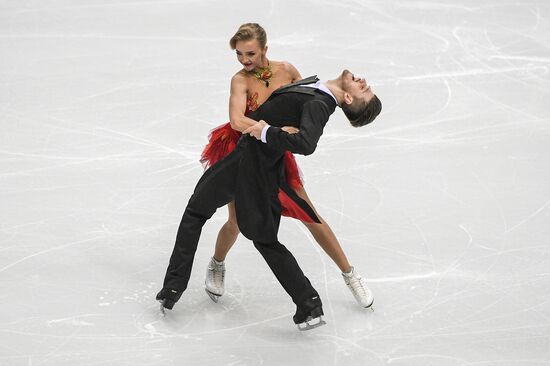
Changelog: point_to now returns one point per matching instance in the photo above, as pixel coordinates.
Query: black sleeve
(315, 115)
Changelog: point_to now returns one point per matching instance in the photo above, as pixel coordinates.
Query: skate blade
(213, 296)
(371, 306)
(165, 304)
(309, 325)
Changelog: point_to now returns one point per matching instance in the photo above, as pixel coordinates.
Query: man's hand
(291, 130)
(256, 130)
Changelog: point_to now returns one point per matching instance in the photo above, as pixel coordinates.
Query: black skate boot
(168, 298)
(309, 314)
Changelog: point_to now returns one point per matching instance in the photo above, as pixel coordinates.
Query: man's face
(356, 87)
(250, 54)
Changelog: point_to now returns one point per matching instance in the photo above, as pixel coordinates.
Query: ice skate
(309, 314)
(167, 298)
(214, 282)
(358, 287)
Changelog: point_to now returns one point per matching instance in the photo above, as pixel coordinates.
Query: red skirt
(223, 139)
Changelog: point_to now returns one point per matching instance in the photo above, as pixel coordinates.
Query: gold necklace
(264, 74)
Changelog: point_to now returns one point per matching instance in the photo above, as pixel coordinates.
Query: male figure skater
(253, 174)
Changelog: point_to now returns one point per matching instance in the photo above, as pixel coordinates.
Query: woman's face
(250, 54)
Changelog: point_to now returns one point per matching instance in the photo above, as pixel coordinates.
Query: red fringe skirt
(223, 139)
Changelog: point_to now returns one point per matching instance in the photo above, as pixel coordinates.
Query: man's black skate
(168, 298)
(309, 314)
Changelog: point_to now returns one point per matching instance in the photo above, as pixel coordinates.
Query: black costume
(252, 176)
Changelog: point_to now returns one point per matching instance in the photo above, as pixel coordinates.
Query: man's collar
(306, 81)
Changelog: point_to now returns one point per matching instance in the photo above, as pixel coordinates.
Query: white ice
(443, 203)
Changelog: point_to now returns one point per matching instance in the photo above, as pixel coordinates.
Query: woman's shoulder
(289, 69)
(239, 76)
(283, 65)
(239, 81)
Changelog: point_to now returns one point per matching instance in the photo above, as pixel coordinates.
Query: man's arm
(315, 115)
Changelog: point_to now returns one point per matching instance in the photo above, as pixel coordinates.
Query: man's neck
(336, 90)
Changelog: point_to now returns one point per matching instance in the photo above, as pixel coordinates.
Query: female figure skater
(250, 87)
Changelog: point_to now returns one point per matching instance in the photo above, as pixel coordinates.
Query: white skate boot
(359, 289)
(214, 282)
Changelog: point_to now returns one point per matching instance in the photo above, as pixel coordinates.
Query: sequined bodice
(252, 103)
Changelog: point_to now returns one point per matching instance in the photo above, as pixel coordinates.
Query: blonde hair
(248, 32)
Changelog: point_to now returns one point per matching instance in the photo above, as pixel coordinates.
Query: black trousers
(215, 189)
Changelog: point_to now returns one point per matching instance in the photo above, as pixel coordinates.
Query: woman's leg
(215, 271)
(324, 235)
(327, 240)
(228, 234)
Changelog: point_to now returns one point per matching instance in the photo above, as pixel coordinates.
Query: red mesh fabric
(223, 139)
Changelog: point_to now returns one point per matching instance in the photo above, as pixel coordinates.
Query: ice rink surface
(443, 203)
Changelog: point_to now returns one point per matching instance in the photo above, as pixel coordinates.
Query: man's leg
(286, 269)
(215, 189)
(290, 276)
(309, 308)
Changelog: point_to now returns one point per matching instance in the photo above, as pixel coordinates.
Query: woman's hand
(256, 129)
(291, 130)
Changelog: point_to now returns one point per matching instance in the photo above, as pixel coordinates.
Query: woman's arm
(237, 104)
(238, 98)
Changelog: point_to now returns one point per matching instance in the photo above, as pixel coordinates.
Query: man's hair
(360, 113)
(247, 32)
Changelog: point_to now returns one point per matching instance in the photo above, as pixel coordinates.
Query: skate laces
(217, 272)
(356, 282)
